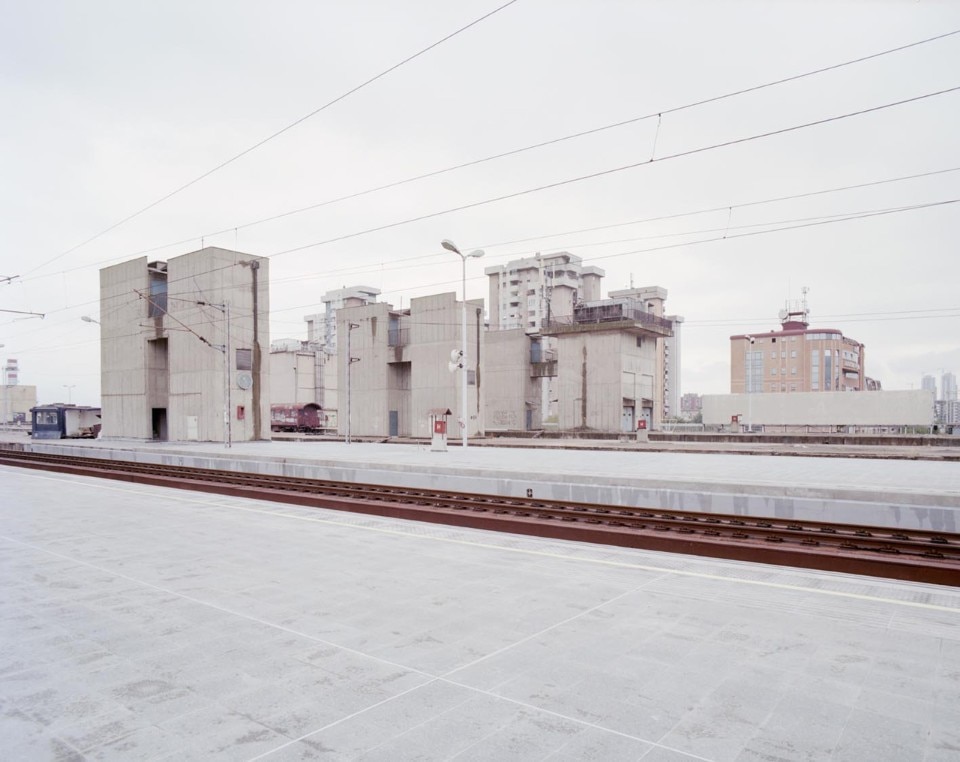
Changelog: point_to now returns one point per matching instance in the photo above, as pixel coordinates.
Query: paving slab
(145, 623)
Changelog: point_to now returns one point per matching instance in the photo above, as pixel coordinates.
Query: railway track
(915, 555)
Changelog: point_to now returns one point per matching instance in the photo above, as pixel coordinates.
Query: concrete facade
(16, 401)
(611, 362)
(525, 293)
(300, 375)
(164, 334)
(606, 382)
(400, 366)
(513, 399)
(322, 327)
(666, 375)
(899, 408)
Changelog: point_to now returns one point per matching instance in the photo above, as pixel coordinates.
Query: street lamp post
(350, 361)
(6, 393)
(748, 382)
(69, 388)
(450, 246)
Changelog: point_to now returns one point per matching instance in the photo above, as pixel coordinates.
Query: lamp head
(450, 246)
(478, 253)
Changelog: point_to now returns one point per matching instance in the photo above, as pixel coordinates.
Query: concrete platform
(910, 494)
(142, 623)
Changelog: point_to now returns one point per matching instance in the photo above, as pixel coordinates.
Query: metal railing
(611, 313)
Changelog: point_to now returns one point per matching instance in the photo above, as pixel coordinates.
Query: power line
(806, 222)
(866, 215)
(534, 146)
(614, 170)
(661, 218)
(707, 210)
(361, 270)
(716, 239)
(724, 322)
(867, 317)
(843, 217)
(276, 134)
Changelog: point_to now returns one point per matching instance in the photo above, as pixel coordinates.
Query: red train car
(296, 417)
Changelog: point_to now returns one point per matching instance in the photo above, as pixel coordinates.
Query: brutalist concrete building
(184, 347)
(400, 367)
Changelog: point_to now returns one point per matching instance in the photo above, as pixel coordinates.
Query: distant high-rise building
(929, 383)
(322, 327)
(536, 293)
(948, 387)
(525, 293)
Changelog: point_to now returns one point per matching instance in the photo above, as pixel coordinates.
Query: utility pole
(350, 361)
(254, 266)
(748, 381)
(225, 348)
(464, 420)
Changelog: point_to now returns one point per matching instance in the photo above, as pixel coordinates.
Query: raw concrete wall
(434, 333)
(883, 408)
(368, 383)
(123, 395)
(509, 390)
(196, 371)
(171, 362)
(600, 372)
(16, 400)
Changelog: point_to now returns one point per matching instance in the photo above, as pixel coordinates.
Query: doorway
(159, 423)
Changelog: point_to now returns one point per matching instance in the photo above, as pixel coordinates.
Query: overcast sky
(108, 106)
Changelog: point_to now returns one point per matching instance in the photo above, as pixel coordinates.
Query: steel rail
(916, 555)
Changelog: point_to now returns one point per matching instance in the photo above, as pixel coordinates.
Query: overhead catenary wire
(867, 317)
(724, 322)
(807, 222)
(542, 144)
(841, 217)
(708, 210)
(328, 260)
(405, 263)
(617, 169)
(606, 172)
(718, 239)
(274, 135)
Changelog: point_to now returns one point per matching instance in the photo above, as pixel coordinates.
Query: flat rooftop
(144, 623)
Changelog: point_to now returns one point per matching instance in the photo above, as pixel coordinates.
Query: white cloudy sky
(108, 106)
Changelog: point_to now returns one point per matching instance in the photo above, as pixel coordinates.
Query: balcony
(543, 369)
(607, 316)
(398, 337)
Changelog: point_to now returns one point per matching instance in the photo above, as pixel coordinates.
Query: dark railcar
(301, 417)
(64, 422)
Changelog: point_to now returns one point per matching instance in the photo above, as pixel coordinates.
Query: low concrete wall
(865, 440)
(911, 510)
(900, 408)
